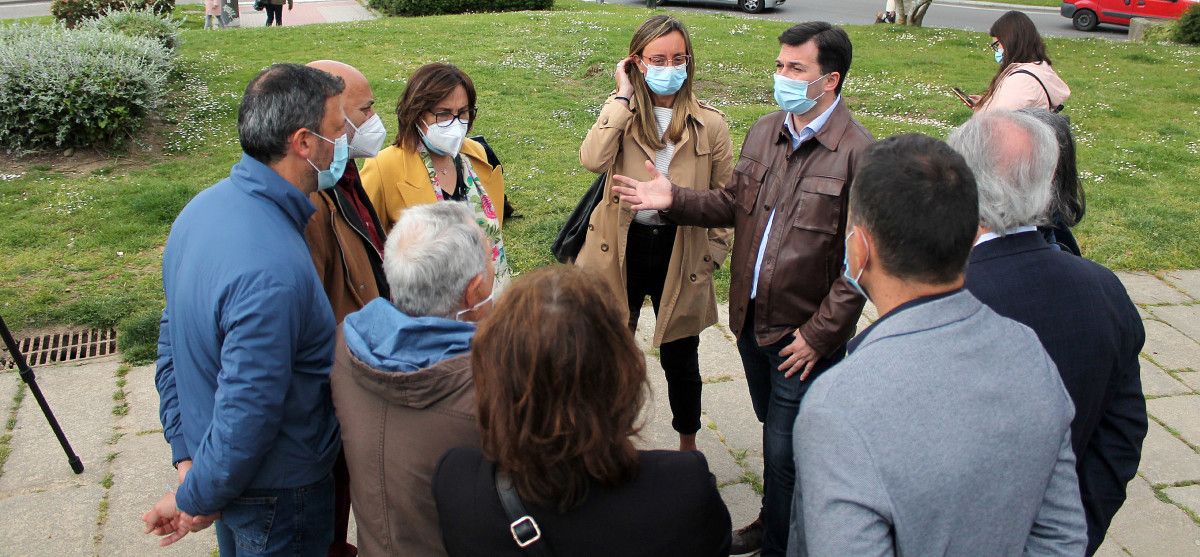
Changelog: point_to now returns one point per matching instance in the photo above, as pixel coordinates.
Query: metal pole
(29, 379)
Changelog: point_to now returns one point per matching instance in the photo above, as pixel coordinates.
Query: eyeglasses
(680, 60)
(995, 45)
(445, 118)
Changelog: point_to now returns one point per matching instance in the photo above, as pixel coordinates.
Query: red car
(1087, 14)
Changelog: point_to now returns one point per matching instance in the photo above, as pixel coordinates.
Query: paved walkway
(109, 412)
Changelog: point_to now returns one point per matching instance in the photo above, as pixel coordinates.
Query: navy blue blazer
(1092, 331)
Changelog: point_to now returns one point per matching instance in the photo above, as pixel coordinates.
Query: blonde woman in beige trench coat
(654, 119)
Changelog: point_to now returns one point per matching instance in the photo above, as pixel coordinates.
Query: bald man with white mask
(346, 242)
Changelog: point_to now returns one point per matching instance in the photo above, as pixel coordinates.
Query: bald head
(1013, 157)
(358, 98)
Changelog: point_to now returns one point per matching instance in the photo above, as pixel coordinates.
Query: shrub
(72, 12)
(76, 87)
(1188, 30)
(139, 23)
(435, 7)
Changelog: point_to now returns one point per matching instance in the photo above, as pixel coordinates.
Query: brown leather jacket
(349, 267)
(801, 285)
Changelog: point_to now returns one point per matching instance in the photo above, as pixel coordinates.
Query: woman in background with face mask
(653, 122)
(1025, 78)
(432, 160)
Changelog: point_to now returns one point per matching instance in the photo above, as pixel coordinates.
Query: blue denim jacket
(245, 343)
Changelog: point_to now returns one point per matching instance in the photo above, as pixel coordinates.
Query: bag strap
(1049, 101)
(524, 529)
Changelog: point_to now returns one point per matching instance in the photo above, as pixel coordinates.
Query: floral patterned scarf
(485, 213)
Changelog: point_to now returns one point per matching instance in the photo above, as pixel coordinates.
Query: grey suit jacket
(946, 431)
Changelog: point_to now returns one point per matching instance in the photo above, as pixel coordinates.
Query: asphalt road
(955, 14)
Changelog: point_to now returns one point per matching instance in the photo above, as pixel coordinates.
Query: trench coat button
(591, 227)
(605, 122)
(693, 278)
(707, 258)
(616, 199)
(603, 247)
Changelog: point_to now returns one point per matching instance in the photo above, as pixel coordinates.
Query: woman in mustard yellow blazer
(432, 160)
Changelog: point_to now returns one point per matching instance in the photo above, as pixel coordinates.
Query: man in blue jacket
(1079, 310)
(246, 339)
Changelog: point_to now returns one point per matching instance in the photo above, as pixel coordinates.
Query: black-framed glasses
(445, 118)
(679, 60)
(995, 45)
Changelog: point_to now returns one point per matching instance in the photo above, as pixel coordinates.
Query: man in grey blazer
(946, 430)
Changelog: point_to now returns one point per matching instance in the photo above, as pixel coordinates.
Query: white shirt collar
(989, 236)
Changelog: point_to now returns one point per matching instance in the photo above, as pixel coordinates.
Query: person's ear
(832, 82)
(474, 292)
(302, 143)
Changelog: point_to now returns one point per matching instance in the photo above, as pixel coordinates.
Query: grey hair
(280, 100)
(432, 253)
(1013, 156)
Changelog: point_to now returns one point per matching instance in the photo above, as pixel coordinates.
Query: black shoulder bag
(570, 239)
(524, 529)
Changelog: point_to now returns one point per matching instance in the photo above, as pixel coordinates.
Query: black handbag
(523, 527)
(570, 239)
(259, 5)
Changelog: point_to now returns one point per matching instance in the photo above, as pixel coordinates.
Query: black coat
(1092, 331)
(671, 508)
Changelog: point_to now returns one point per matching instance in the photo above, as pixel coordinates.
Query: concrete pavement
(110, 414)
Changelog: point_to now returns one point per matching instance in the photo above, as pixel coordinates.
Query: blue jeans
(776, 403)
(297, 521)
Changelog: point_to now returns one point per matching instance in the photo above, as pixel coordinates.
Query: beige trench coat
(703, 160)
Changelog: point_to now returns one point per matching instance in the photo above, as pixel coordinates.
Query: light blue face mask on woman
(665, 80)
(341, 154)
(792, 94)
(1000, 55)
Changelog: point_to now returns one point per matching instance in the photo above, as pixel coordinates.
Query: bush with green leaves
(139, 23)
(436, 7)
(73, 12)
(76, 87)
(1188, 29)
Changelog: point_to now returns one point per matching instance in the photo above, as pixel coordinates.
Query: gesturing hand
(799, 356)
(641, 196)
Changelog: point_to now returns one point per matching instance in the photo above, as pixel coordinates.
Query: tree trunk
(918, 17)
(902, 12)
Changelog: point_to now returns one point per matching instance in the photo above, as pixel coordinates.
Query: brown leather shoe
(747, 539)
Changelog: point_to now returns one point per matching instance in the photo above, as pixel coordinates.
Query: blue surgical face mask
(792, 94)
(853, 280)
(1000, 55)
(665, 80)
(341, 154)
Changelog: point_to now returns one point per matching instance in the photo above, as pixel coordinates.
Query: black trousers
(647, 259)
(274, 13)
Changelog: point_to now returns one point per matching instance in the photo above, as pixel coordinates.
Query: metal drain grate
(55, 347)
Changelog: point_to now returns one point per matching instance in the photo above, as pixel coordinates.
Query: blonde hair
(647, 126)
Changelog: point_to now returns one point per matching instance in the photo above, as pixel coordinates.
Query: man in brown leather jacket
(789, 305)
(346, 243)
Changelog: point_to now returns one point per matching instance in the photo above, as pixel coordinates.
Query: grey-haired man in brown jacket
(789, 305)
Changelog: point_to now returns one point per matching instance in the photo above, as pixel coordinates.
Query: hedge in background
(76, 87)
(139, 23)
(436, 7)
(72, 12)
(1188, 30)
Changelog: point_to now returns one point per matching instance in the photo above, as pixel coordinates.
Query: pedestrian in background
(1026, 78)
(212, 15)
(275, 11)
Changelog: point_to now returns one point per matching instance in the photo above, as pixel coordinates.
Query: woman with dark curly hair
(560, 383)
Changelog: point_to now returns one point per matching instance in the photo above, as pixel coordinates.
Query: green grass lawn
(85, 247)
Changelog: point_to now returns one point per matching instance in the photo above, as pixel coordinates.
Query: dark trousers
(341, 509)
(776, 403)
(274, 13)
(647, 260)
(296, 521)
